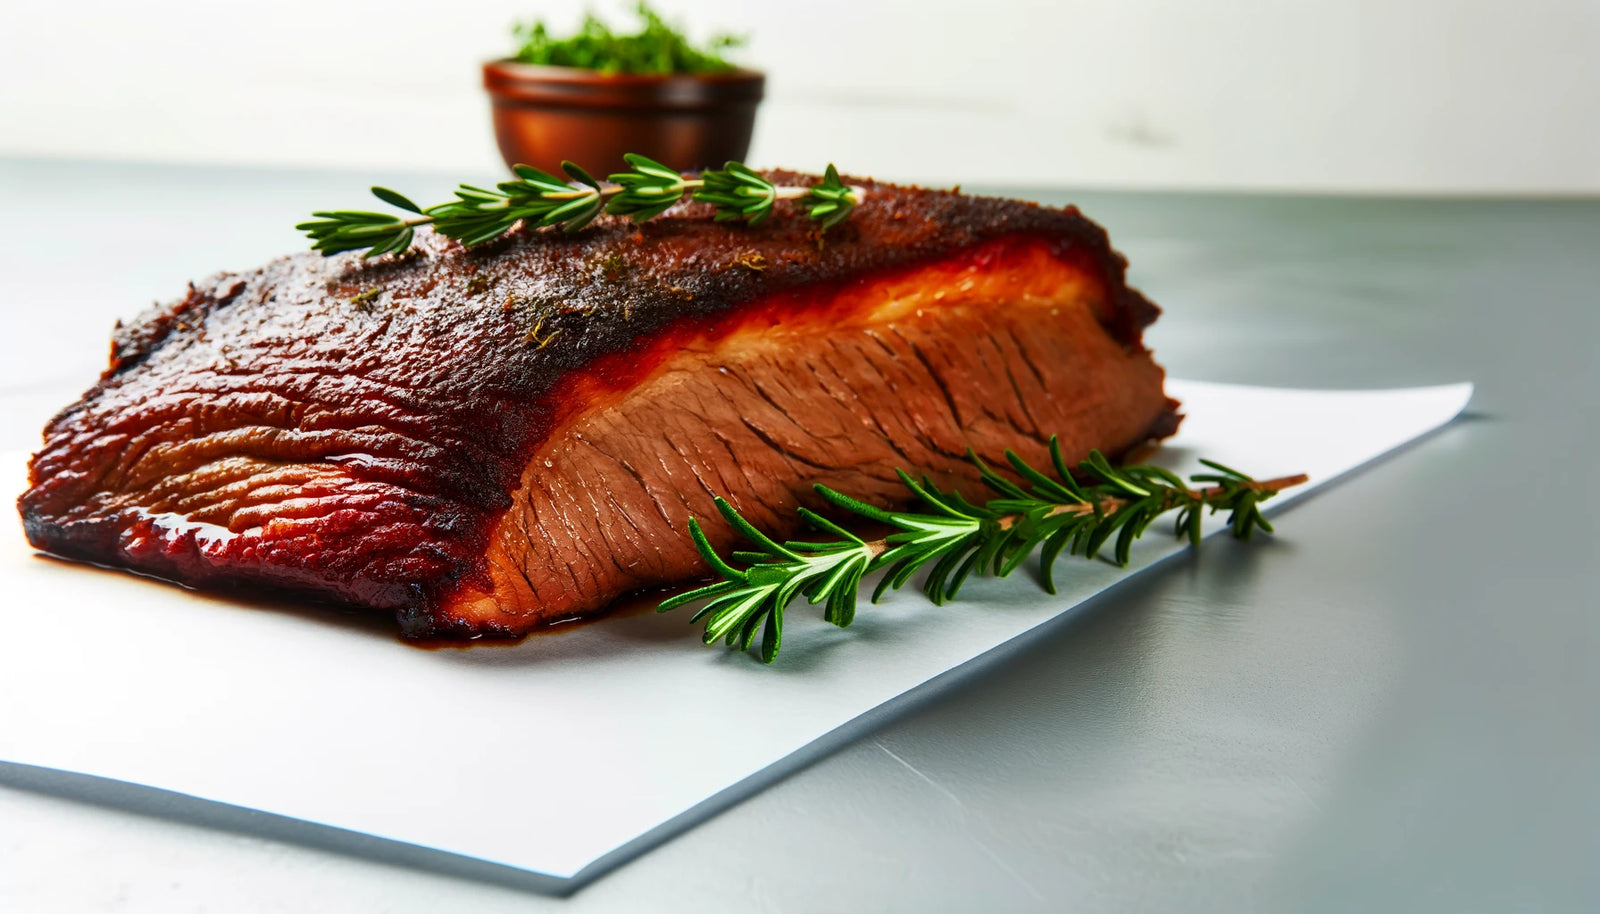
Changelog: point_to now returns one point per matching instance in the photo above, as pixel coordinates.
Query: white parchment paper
(547, 755)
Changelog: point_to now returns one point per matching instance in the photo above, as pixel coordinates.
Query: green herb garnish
(1113, 506)
(479, 215)
(657, 49)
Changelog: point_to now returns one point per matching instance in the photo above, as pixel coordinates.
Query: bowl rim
(512, 70)
(519, 85)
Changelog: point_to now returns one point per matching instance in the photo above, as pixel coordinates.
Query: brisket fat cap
(488, 440)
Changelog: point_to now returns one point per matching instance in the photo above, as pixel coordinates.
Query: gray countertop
(1391, 706)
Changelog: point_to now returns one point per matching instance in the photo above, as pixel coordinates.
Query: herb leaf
(646, 191)
(738, 193)
(830, 202)
(395, 199)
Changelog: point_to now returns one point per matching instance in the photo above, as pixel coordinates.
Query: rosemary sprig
(648, 189)
(1113, 505)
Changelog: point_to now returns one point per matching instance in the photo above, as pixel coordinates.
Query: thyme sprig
(538, 198)
(1110, 506)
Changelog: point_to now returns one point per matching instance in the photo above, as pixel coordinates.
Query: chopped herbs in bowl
(657, 49)
(596, 94)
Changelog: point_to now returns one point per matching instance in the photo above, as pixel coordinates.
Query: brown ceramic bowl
(543, 115)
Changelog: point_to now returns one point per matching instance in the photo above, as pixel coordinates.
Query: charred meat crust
(400, 400)
(682, 265)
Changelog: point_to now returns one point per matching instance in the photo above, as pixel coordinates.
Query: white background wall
(1351, 95)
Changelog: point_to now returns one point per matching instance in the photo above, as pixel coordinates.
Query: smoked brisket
(485, 441)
